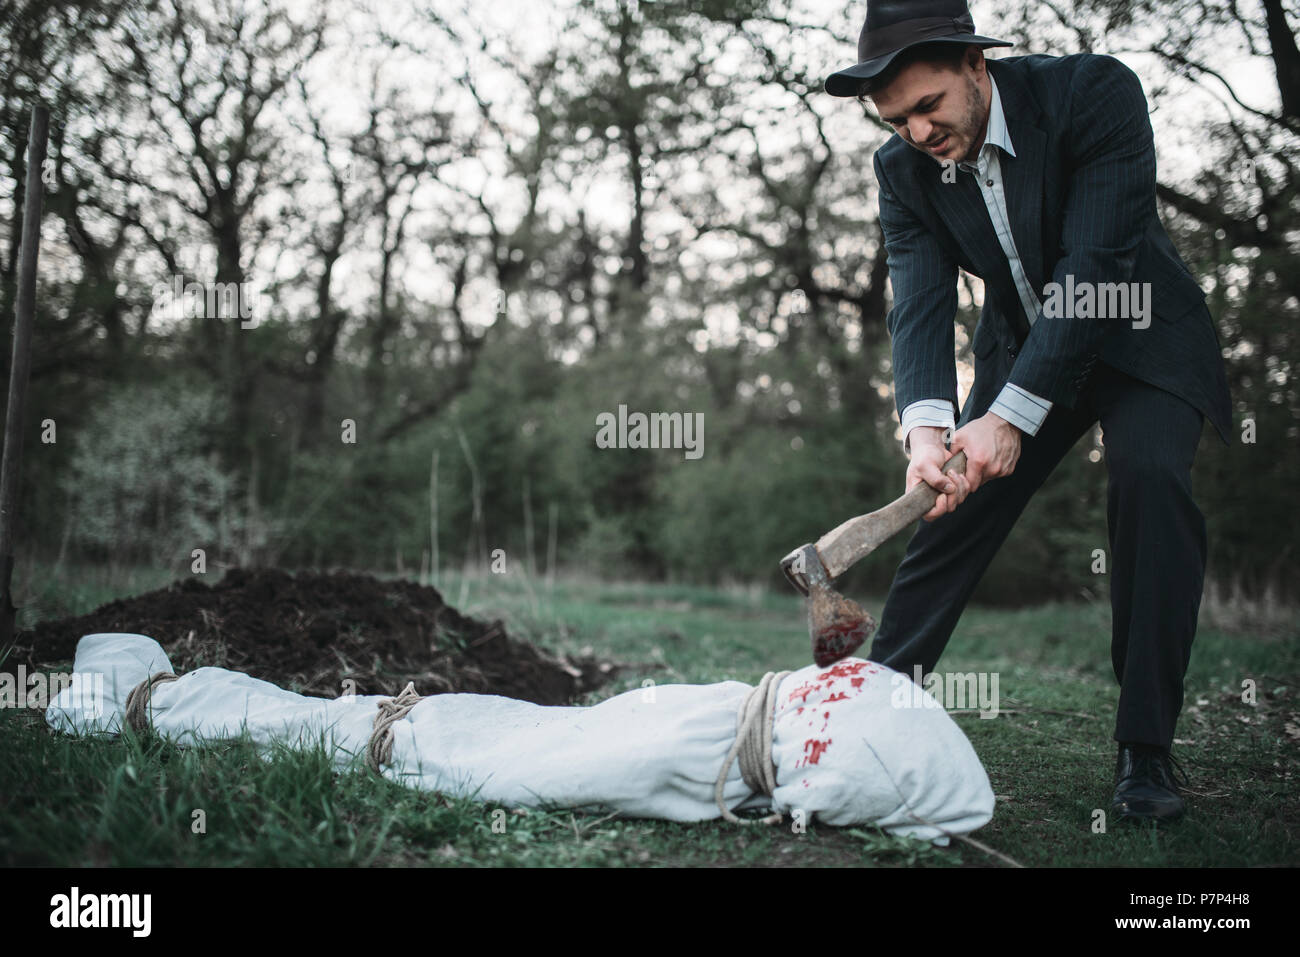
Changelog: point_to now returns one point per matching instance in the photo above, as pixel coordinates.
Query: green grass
(1050, 756)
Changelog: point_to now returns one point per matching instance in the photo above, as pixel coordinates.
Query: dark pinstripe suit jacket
(1080, 194)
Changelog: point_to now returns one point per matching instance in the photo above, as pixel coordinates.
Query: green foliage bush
(145, 481)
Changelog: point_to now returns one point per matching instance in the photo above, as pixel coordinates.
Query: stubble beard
(975, 122)
(971, 127)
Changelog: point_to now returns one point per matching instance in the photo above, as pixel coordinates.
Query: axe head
(837, 625)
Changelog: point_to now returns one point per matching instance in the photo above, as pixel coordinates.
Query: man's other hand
(928, 456)
(992, 447)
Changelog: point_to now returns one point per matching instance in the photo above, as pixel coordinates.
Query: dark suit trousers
(1156, 559)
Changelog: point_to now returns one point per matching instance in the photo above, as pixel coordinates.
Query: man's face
(938, 110)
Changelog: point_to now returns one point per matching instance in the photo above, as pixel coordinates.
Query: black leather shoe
(1145, 786)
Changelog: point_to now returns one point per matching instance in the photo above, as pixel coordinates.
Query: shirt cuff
(933, 412)
(1022, 409)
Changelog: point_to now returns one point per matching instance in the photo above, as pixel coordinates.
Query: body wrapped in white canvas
(845, 751)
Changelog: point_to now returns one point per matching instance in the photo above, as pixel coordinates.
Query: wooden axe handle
(843, 547)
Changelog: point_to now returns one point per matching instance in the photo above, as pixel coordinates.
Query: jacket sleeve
(924, 281)
(1109, 203)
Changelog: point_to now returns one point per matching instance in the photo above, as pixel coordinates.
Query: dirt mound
(311, 632)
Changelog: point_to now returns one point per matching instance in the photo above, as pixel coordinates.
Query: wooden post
(24, 311)
(433, 520)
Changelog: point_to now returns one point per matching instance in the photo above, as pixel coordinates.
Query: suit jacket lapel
(1022, 175)
(961, 207)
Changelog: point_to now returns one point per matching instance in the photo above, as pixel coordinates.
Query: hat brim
(847, 81)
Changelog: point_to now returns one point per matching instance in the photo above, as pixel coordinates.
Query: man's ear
(974, 59)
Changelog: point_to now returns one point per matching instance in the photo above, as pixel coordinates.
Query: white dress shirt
(1021, 408)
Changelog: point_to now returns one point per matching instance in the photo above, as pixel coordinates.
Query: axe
(838, 625)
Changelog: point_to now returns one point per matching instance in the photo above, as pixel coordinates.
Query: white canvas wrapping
(845, 751)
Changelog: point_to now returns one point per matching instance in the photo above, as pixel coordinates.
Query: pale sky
(339, 81)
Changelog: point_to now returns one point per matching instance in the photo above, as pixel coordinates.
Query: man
(1037, 174)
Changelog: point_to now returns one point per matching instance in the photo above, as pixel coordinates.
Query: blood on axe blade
(838, 625)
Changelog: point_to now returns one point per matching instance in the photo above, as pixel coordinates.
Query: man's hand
(928, 456)
(992, 447)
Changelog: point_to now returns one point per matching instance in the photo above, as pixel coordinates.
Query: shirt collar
(997, 133)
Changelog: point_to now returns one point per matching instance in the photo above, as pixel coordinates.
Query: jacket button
(1012, 351)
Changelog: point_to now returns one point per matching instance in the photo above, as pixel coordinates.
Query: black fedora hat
(894, 25)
